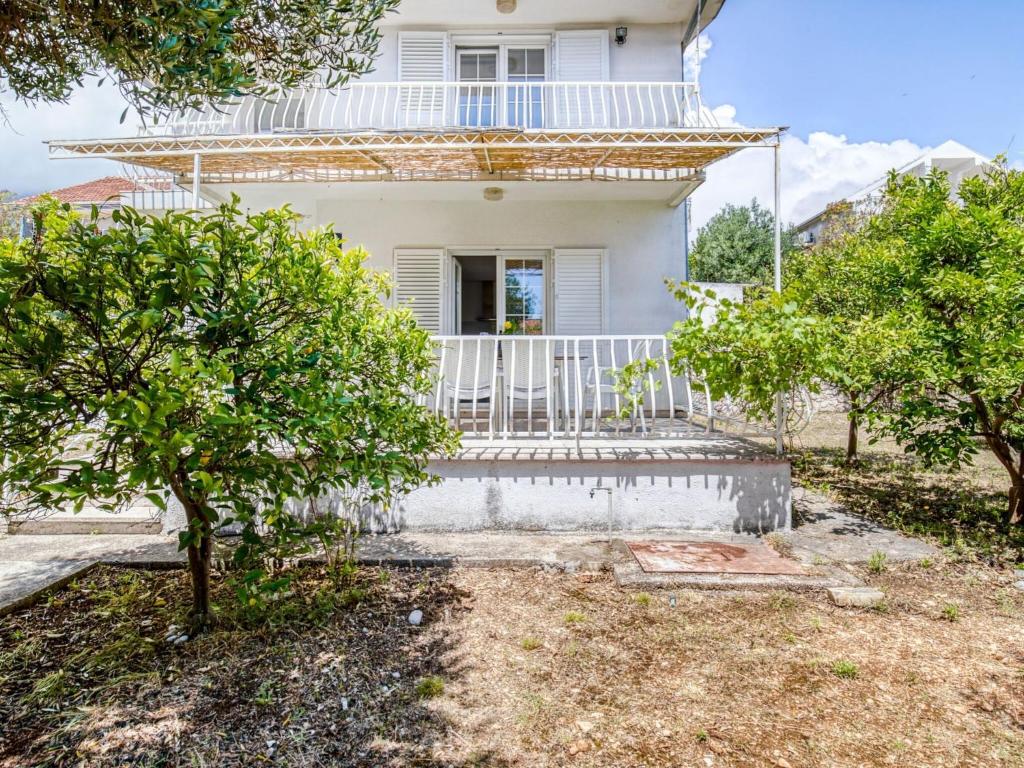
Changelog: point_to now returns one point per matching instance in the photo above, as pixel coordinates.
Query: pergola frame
(654, 155)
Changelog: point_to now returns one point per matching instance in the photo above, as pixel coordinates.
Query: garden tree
(832, 280)
(737, 245)
(227, 358)
(753, 350)
(172, 54)
(957, 287)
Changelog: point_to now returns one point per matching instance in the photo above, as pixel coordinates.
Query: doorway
(502, 292)
(476, 310)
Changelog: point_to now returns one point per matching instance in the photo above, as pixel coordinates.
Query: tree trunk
(200, 555)
(852, 428)
(199, 558)
(1015, 509)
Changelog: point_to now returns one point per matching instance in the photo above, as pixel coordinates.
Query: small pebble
(416, 617)
(1019, 585)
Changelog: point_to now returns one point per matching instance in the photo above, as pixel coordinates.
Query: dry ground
(526, 668)
(537, 669)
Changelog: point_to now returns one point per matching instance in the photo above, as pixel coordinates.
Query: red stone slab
(711, 557)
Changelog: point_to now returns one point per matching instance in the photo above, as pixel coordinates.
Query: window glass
(524, 297)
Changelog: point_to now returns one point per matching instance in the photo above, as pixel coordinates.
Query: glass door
(523, 295)
(525, 103)
(478, 69)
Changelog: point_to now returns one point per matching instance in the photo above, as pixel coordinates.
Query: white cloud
(815, 172)
(91, 112)
(695, 53)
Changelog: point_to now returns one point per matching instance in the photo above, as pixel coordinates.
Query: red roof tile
(107, 189)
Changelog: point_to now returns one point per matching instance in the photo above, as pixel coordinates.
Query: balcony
(460, 106)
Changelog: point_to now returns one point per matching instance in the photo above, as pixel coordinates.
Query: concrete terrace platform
(826, 540)
(702, 482)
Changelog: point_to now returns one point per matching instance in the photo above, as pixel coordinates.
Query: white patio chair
(530, 376)
(469, 380)
(601, 377)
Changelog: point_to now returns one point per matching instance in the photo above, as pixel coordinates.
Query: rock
(181, 639)
(584, 726)
(581, 745)
(416, 617)
(1019, 585)
(855, 597)
(782, 762)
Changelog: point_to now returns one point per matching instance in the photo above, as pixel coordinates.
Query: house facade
(519, 168)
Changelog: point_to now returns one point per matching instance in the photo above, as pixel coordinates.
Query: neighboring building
(520, 172)
(149, 193)
(958, 161)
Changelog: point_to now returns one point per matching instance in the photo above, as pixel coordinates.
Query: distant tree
(10, 215)
(173, 54)
(226, 358)
(738, 246)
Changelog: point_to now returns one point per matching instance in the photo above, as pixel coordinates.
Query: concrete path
(827, 538)
(827, 530)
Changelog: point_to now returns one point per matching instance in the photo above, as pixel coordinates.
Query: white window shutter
(581, 292)
(582, 55)
(419, 285)
(422, 55)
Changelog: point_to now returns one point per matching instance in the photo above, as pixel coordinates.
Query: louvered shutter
(581, 56)
(581, 299)
(423, 57)
(419, 285)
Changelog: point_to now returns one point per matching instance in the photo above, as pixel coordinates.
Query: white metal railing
(563, 387)
(436, 105)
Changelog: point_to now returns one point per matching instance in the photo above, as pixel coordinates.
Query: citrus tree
(956, 275)
(224, 360)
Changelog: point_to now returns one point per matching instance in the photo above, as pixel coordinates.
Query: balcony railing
(446, 106)
(567, 387)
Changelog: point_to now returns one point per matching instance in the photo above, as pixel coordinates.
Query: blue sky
(924, 70)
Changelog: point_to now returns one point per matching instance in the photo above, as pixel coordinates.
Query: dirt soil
(518, 668)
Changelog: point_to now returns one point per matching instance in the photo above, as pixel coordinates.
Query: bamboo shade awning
(441, 155)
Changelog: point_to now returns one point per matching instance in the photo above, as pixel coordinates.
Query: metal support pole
(196, 167)
(780, 413)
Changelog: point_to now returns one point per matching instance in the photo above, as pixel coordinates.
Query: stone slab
(24, 581)
(855, 597)
(711, 557)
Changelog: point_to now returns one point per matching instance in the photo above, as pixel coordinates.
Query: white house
(519, 168)
(951, 157)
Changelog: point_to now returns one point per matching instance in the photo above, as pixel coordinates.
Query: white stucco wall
(643, 240)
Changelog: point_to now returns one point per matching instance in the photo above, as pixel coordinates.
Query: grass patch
(572, 618)
(429, 687)
(845, 670)
(530, 643)
(642, 599)
(951, 612)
